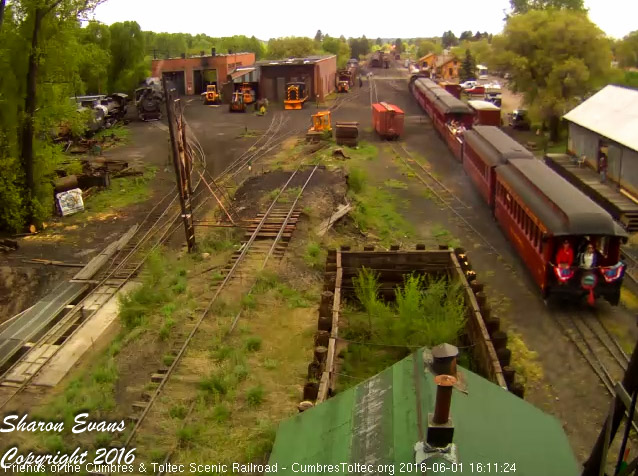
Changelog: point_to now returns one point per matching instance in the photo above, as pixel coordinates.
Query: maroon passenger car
(538, 210)
(486, 147)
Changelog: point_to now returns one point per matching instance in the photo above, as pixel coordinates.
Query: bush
(255, 396)
(178, 411)
(253, 343)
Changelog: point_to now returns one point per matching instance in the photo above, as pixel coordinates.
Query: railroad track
(599, 348)
(155, 228)
(631, 272)
(444, 196)
(266, 237)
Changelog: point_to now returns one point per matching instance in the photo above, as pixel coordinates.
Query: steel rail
(235, 320)
(184, 346)
(448, 205)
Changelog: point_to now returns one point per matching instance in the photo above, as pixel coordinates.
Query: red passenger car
(539, 210)
(387, 120)
(448, 113)
(486, 147)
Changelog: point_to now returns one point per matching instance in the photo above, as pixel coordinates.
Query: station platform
(620, 206)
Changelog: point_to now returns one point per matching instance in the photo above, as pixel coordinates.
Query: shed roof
(295, 61)
(483, 105)
(380, 420)
(570, 211)
(612, 112)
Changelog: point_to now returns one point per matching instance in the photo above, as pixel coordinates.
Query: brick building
(192, 75)
(318, 72)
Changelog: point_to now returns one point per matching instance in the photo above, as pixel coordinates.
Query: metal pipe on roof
(444, 387)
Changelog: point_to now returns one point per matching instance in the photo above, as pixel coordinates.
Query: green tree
(318, 36)
(398, 45)
(36, 15)
(627, 50)
(555, 58)
(292, 46)
(337, 47)
(468, 66)
(427, 46)
(449, 39)
(379, 42)
(95, 39)
(523, 6)
(127, 56)
(466, 36)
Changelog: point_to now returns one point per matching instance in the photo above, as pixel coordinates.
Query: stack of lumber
(347, 133)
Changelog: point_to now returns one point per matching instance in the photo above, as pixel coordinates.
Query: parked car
(470, 84)
(519, 119)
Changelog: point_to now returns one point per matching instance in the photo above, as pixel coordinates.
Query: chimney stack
(213, 52)
(444, 359)
(440, 426)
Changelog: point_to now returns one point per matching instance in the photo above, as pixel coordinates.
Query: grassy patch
(255, 396)
(392, 183)
(524, 361)
(124, 191)
(120, 133)
(376, 213)
(315, 256)
(249, 133)
(444, 237)
(220, 240)
(357, 179)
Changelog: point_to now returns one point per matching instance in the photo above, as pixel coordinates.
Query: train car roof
(446, 103)
(494, 145)
(573, 213)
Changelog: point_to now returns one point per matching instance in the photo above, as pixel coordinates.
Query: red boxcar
(387, 120)
(486, 147)
(538, 210)
(486, 113)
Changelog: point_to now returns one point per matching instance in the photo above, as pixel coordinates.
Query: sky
(401, 18)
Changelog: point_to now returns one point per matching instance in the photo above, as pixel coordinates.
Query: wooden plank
(336, 303)
(323, 388)
(98, 261)
(481, 338)
(342, 211)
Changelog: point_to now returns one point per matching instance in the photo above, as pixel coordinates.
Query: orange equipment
(296, 95)
(237, 102)
(248, 93)
(211, 96)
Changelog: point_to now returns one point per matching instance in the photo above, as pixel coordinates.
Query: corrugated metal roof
(612, 112)
(295, 61)
(380, 420)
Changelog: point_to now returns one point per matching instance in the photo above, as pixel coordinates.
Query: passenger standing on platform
(565, 256)
(602, 166)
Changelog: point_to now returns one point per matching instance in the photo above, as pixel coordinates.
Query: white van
(481, 71)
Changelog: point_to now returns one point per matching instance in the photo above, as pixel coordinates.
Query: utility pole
(181, 162)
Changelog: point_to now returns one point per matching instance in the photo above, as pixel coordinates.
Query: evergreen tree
(318, 36)
(467, 67)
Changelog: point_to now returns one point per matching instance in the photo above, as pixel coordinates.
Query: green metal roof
(377, 422)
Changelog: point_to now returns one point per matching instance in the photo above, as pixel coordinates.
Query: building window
(450, 71)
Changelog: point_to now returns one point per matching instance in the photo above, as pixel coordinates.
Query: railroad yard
(209, 350)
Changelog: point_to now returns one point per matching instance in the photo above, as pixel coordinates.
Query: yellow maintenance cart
(321, 127)
(296, 95)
